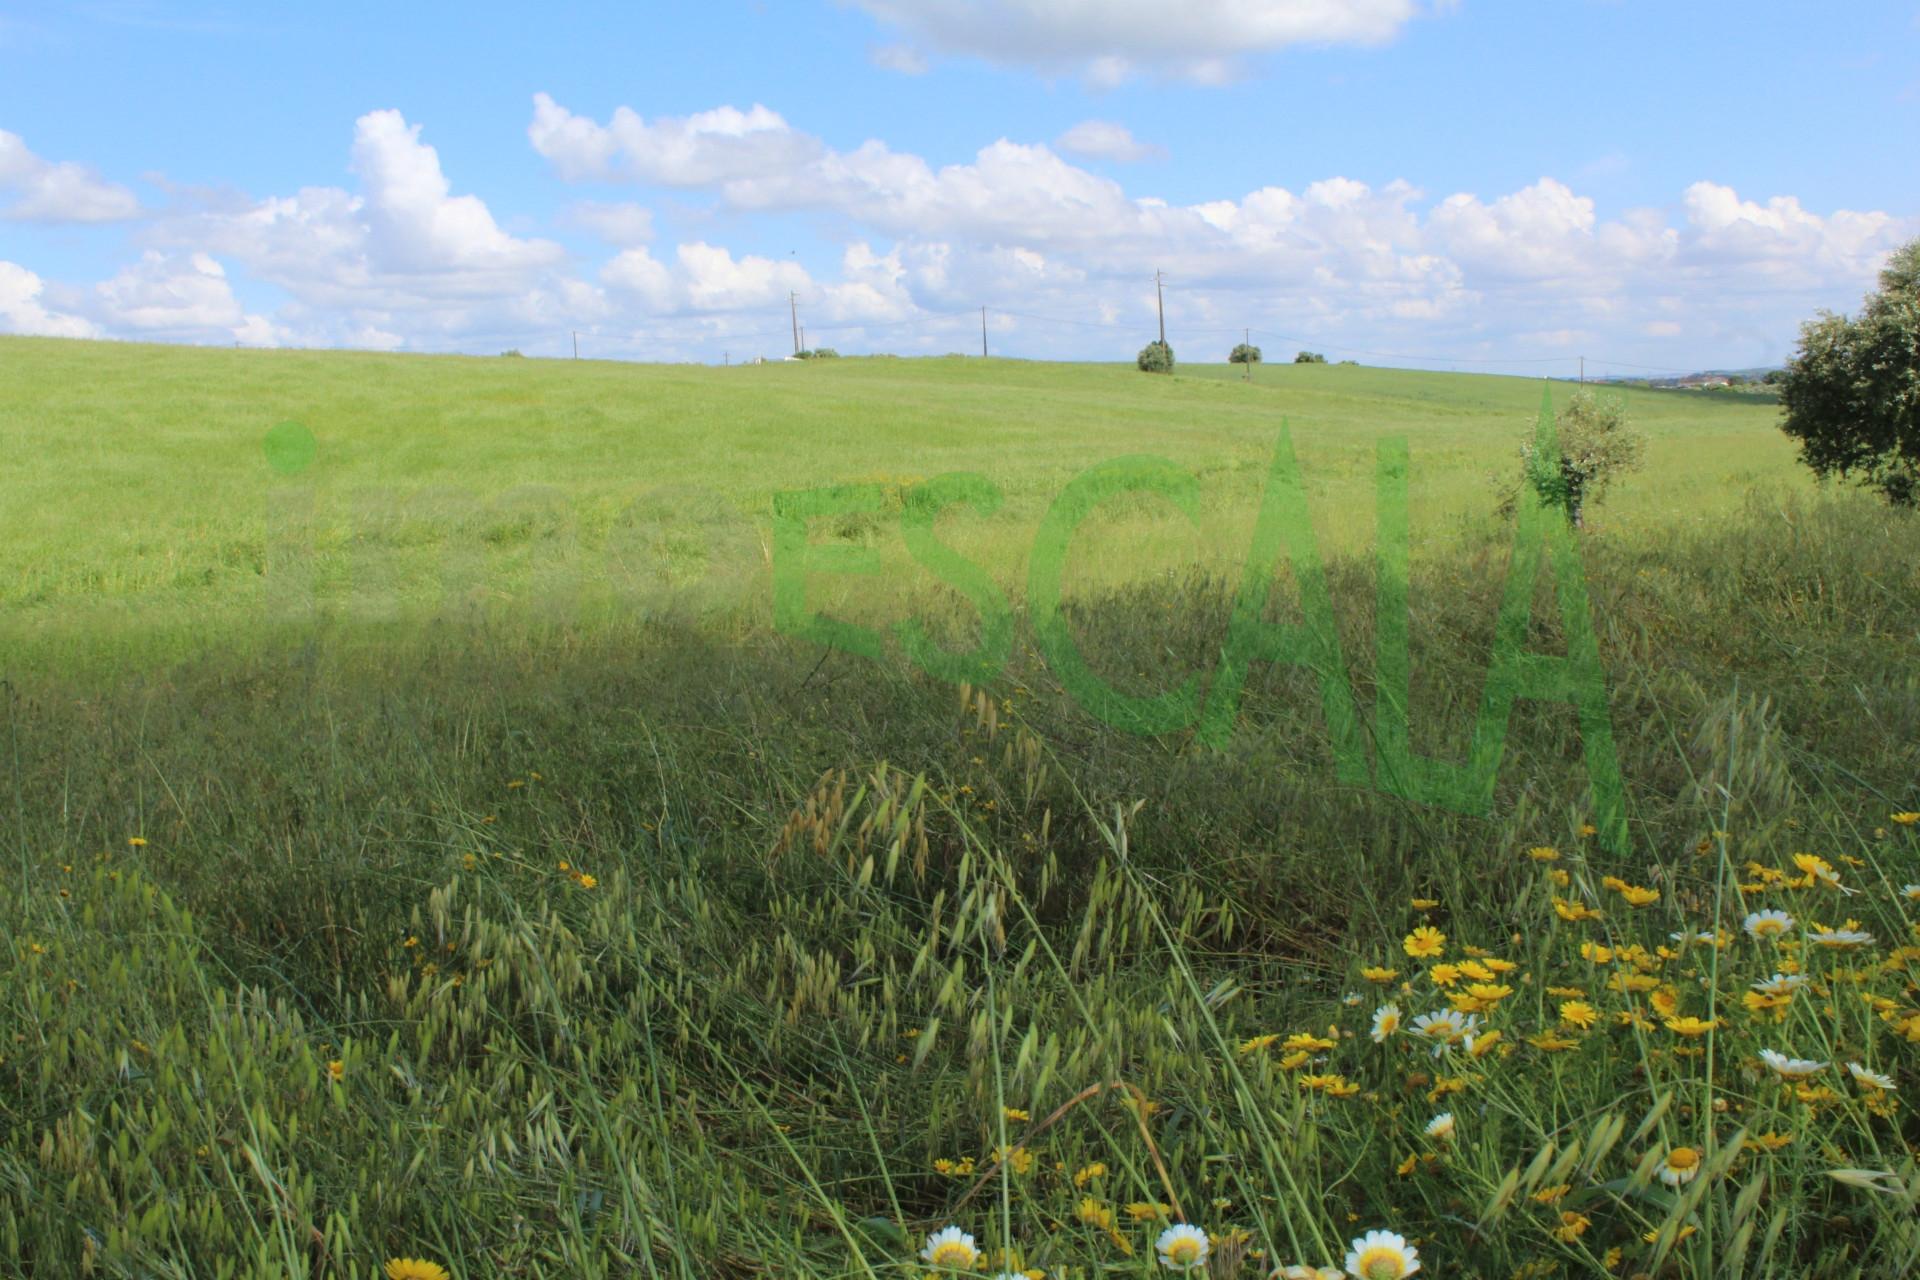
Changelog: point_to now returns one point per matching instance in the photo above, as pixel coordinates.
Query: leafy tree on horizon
(1851, 393)
(1244, 353)
(1155, 357)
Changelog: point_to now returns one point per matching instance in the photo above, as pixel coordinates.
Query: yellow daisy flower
(1578, 1013)
(1425, 941)
(1691, 1026)
(416, 1269)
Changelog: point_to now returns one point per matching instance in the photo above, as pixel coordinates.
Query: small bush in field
(1598, 444)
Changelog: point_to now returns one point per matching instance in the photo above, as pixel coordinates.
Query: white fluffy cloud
(1110, 41)
(756, 161)
(415, 227)
(43, 191)
(22, 310)
(1780, 238)
(1054, 250)
(1105, 140)
(705, 282)
(404, 246)
(722, 145)
(183, 297)
(704, 278)
(1537, 269)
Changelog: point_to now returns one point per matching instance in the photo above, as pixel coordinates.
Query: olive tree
(1851, 393)
(1598, 443)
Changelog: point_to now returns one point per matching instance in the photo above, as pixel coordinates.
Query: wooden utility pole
(803, 339)
(1583, 371)
(1246, 340)
(983, 333)
(1160, 299)
(576, 344)
(793, 310)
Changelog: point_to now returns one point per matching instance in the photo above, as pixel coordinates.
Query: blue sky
(1494, 185)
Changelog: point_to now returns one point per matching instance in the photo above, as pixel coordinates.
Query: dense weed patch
(691, 952)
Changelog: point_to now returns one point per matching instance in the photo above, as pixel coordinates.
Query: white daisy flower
(1781, 984)
(1911, 892)
(1303, 1272)
(1386, 1021)
(1382, 1255)
(1840, 939)
(1763, 925)
(1680, 1167)
(1448, 1026)
(1872, 1079)
(1791, 1068)
(1441, 1126)
(1706, 936)
(1182, 1247)
(951, 1247)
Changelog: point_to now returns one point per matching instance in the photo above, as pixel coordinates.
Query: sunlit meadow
(471, 889)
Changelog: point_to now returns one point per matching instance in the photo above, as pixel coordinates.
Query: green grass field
(435, 853)
(141, 508)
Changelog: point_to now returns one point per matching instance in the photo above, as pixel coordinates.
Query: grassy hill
(431, 852)
(140, 508)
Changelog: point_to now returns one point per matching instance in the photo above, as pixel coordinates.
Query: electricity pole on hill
(1160, 300)
(983, 333)
(793, 310)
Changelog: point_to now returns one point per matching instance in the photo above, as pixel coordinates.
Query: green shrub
(1155, 357)
(1244, 353)
(1597, 444)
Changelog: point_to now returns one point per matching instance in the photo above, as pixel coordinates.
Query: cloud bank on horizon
(1058, 239)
